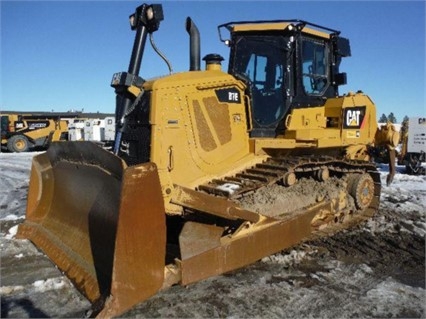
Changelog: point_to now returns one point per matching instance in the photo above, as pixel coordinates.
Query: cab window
(314, 67)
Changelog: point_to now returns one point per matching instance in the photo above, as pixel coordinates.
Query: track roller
(289, 179)
(322, 174)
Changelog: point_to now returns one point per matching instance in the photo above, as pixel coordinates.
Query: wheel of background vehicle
(18, 143)
(361, 188)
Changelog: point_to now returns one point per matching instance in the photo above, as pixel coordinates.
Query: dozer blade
(101, 223)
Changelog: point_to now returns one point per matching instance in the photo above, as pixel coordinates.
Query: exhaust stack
(194, 45)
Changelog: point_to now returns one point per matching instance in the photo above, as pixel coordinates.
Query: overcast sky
(60, 55)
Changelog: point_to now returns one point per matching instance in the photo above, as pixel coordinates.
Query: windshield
(261, 60)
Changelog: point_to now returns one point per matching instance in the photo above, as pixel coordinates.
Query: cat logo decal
(354, 117)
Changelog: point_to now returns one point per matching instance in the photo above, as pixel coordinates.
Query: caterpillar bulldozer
(170, 203)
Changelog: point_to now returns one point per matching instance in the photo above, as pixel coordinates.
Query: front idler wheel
(361, 188)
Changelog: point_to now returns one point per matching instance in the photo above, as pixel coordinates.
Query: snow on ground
(374, 270)
(14, 172)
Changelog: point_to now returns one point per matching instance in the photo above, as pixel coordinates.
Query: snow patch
(12, 217)
(12, 232)
(291, 258)
(49, 284)
(391, 292)
(229, 187)
(7, 290)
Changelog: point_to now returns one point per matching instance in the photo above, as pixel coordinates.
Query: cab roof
(279, 25)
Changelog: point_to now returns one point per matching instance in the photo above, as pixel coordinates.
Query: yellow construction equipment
(22, 132)
(174, 202)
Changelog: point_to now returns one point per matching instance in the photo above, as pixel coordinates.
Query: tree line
(391, 118)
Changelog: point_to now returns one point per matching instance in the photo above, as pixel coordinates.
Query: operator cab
(285, 65)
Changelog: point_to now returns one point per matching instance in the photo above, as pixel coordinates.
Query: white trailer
(109, 128)
(416, 135)
(101, 131)
(413, 150)
(76, 130)
(97, 130)
(94, 130)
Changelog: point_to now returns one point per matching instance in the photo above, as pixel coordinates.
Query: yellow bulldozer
(175, 201)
